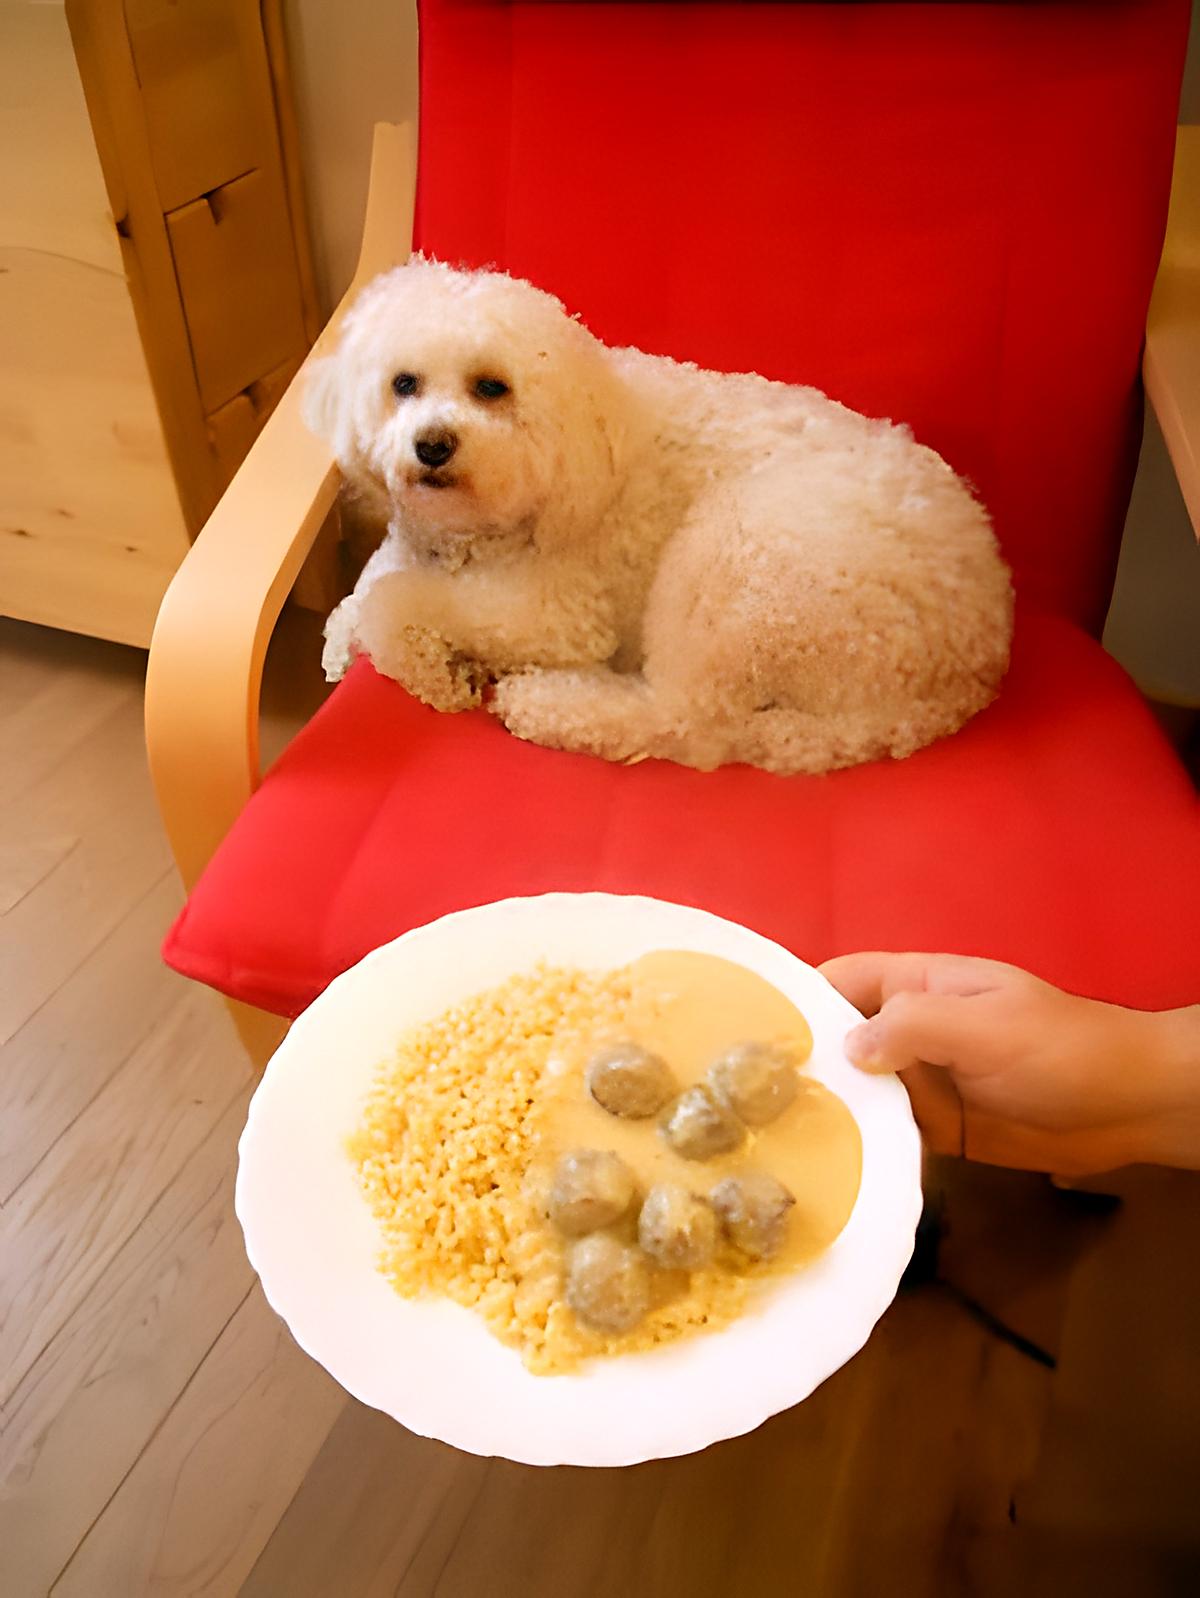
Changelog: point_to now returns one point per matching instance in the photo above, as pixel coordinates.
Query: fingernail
(862, 1046)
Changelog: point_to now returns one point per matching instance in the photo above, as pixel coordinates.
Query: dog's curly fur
(643, 557)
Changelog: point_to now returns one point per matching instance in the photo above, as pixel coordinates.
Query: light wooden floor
(163, 1435)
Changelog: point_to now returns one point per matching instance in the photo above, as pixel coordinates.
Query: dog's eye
(404, 384)
(491, 388)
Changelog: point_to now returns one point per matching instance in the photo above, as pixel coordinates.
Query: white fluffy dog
(642, 557)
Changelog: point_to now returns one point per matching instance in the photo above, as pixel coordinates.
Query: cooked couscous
(464, 1131)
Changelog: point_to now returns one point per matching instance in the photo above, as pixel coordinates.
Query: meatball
(753, 1208)
(626, 1079)
(698, 1127)
(608, 1285)
(677, 1228)
(757, 1081)
(590, 1189)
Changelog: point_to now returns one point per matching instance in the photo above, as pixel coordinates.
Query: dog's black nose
(435, 447)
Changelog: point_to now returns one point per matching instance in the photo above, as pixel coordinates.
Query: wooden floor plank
(374, 1496)
(100, 809)
(123, 1261)
(40, 727)
(31, 655)
(1112, 1510)
(60, 1059)
(925, 1437)
(28, 657)
(1011, 1242)
(196, 1510)
(67, 1221)
(94, 1398)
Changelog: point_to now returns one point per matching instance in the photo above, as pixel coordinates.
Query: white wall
(1154, 624)
(354, 64)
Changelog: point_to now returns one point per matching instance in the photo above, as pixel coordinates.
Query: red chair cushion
(946, 214)
(1056, 830)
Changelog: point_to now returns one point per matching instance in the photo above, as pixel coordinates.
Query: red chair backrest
(946, 214)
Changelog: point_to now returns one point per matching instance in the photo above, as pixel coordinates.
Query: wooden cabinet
(156, 289)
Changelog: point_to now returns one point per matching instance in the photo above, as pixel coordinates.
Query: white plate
(432, 1364)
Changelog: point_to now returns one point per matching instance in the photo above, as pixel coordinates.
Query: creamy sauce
(689, 1008)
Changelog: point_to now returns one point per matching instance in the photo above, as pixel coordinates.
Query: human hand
(1004, 1068)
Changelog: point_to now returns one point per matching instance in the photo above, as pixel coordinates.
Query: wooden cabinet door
(90, 524)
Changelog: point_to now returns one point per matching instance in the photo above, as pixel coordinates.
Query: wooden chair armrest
(206, 657)
(1171, 367)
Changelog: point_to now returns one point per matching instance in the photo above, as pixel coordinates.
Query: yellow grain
(447, 1137)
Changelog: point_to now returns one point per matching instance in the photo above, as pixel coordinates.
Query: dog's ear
(320, 408)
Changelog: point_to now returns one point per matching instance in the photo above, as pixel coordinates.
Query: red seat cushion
(1056, 830)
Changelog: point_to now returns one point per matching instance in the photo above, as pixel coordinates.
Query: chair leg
(260, 1032)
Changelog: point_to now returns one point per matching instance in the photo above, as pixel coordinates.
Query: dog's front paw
(540, 706)
(434, 673)
(519, 701)
(589, 711)
(340, 648)
(418, 657)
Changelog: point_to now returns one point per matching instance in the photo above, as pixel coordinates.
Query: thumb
(935, 1028)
